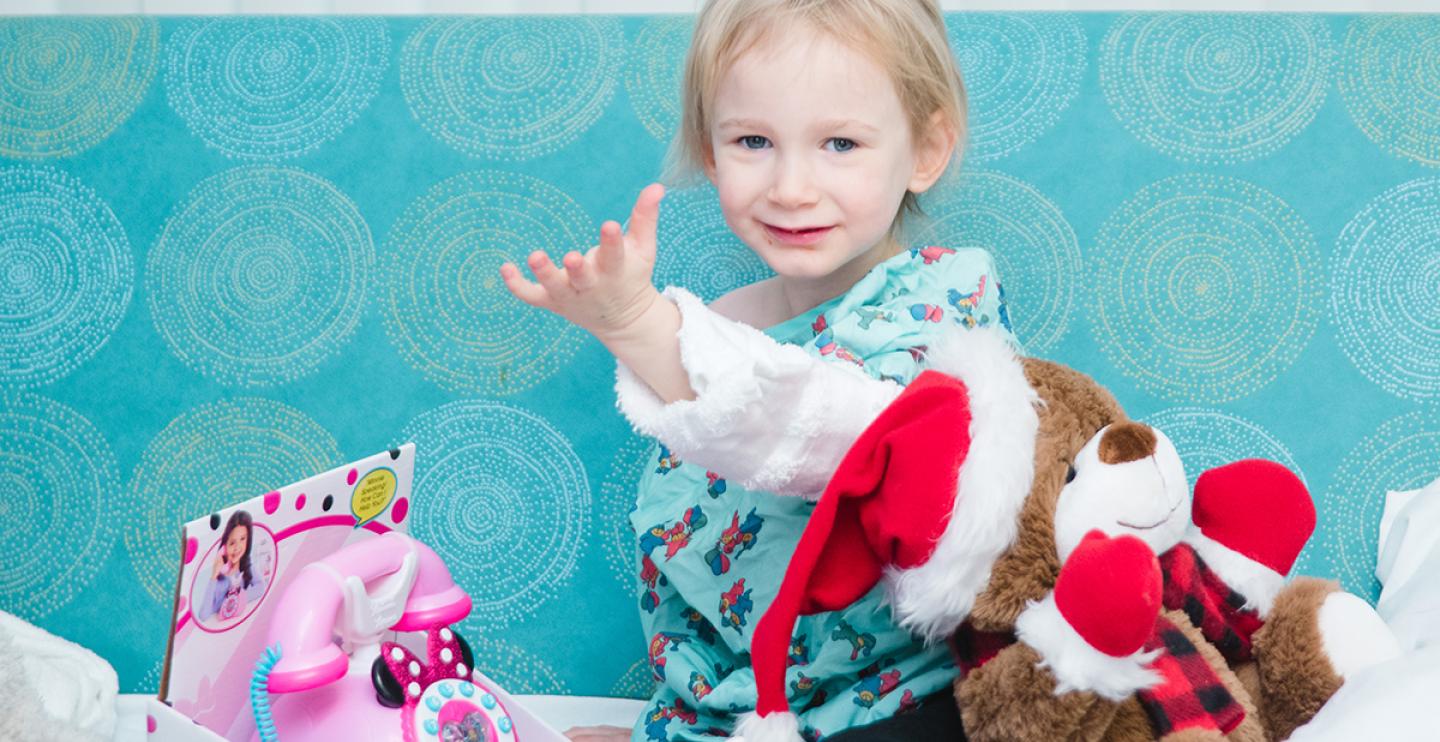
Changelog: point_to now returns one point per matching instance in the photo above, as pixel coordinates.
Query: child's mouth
(802, 236)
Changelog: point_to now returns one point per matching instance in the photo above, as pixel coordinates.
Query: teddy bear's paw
(1091, 629)
(1075, 663)
(1353, 634)
(1251, 518)
(1109, 590)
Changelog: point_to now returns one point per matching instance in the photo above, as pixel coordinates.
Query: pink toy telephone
(365, 689)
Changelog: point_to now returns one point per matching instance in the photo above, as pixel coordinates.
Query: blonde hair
(906, 38)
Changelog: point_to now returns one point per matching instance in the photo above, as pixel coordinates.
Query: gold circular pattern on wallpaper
(1021, 72)
(1385, 289)
(259, 275)
(67, 83)
(206, 459)
(1036, 251)
(516, 670)
(617, 500)
(507, 505)
(66, 274)
(1216, 88)
(511, 88)
(58, 477)
(446, 309)
(270, 88)
(1390, 82)
(1206, 288)
(1403, 454)
(696, 250)
(637, 682)
(1207, 438)
(654, 72)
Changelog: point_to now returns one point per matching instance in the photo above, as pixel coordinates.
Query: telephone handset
(363, 688)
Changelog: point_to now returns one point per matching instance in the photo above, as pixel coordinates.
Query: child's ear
(708, 159)
(933, 150)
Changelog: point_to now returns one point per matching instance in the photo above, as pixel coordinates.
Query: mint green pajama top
(713, 554)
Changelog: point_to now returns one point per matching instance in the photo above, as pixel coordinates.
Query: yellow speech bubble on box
(372, 494)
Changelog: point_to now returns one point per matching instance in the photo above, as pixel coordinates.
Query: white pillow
(1407, 565)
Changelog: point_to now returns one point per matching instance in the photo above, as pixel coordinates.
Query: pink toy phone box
(234, 598)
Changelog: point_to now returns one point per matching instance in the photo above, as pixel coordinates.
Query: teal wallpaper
(235, 252)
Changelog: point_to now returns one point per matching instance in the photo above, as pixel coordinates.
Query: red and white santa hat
(926, 499)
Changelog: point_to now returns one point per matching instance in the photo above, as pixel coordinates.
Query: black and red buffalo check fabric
(1189, 694)
(1217, 611)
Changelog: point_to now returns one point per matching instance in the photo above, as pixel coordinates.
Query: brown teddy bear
(1012, 508)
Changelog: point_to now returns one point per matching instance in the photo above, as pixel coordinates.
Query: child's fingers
(610, 255)
(546, 273)
(579, 271)
(527, 291)
(646, 215)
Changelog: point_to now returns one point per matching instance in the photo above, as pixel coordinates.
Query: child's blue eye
(841, 144)
(753, 141)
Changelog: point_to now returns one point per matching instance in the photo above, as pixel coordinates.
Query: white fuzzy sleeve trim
(1257, 582)
(766, 415)
(1075, 664)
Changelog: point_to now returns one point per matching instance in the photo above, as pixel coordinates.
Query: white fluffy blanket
(54, 689)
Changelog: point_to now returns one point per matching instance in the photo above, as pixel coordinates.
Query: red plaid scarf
(1189, 694)
(1194, 589)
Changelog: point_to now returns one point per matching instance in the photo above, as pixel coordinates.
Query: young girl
(231, 580)
(818, 122)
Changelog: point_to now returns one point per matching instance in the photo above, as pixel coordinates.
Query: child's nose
(793, 185)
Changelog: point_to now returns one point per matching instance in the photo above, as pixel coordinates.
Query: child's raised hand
(222, 565)
(609, 287)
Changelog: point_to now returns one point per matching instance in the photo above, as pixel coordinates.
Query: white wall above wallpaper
(198, 7)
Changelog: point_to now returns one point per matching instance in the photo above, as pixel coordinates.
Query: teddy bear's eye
(1070, 475)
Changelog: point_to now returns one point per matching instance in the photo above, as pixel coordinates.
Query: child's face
(235, 544)
(810, 135)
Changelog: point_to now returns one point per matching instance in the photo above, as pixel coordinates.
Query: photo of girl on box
(236, 583)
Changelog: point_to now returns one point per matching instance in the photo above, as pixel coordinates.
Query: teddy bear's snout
(1127, 441)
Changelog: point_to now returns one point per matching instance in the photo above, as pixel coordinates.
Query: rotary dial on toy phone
(444, 700)
(461, 711)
